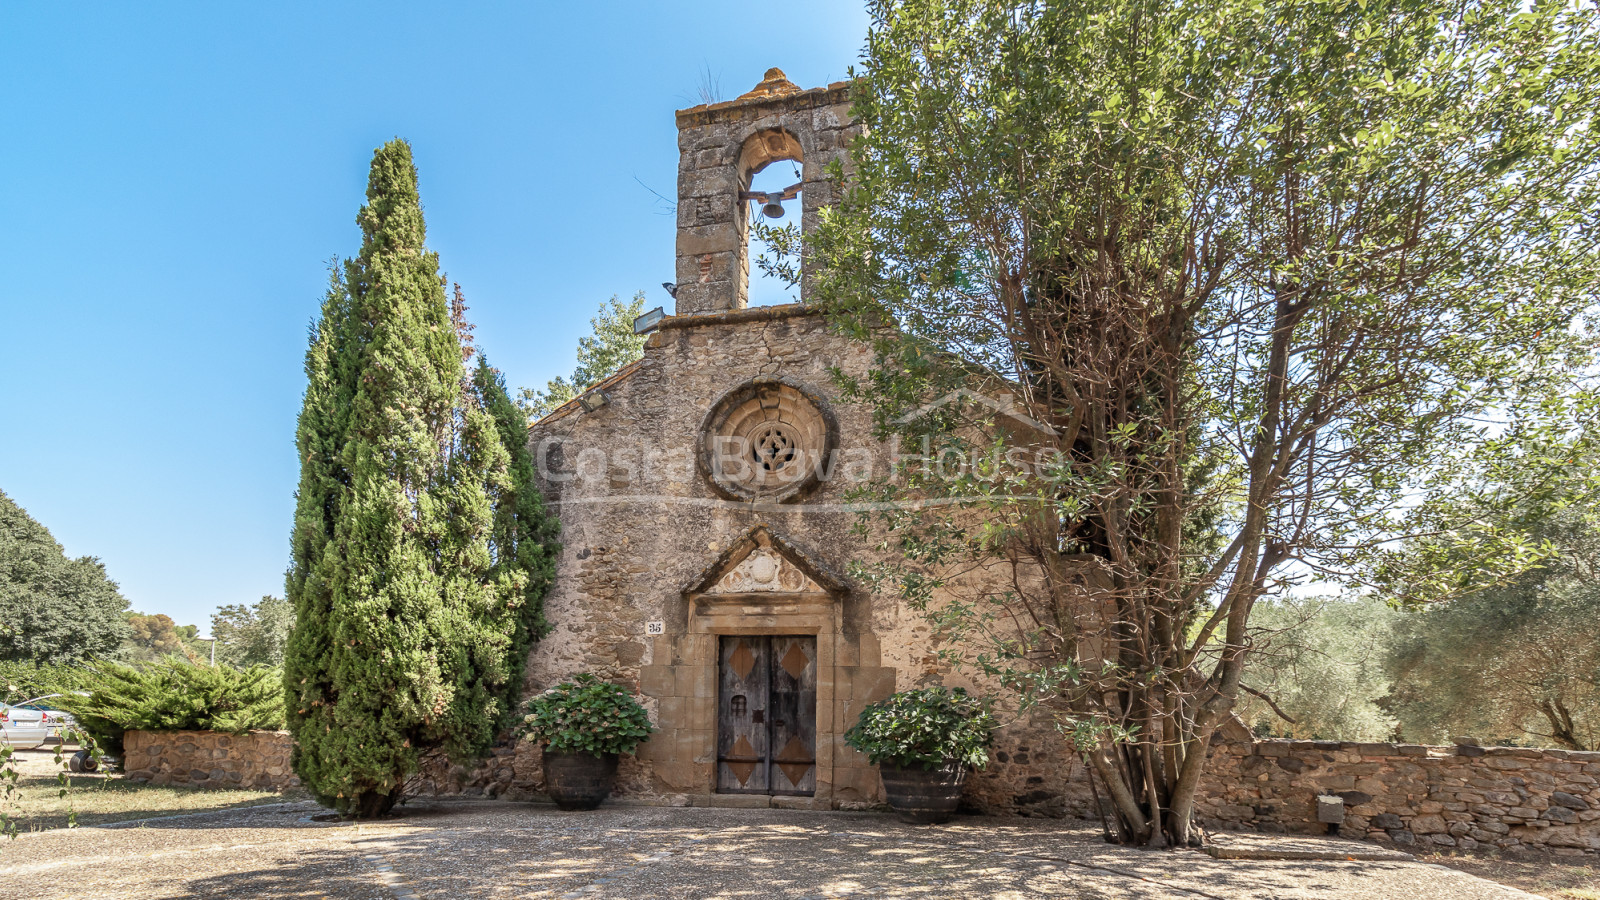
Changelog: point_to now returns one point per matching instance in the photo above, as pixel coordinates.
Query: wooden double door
(767, 715)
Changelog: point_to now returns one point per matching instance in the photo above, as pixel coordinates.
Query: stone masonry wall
(720, 145)
(639, 524)
(1466, 797)
(259, 759)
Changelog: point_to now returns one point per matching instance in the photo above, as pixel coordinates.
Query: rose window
(767, 439)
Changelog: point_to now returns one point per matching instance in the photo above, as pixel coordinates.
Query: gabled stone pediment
(760, 561)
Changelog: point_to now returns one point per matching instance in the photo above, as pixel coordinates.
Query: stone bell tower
(720, 146)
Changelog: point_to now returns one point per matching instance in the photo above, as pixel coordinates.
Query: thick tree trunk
(372, 804)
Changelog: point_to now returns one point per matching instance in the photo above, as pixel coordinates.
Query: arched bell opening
(771, 198)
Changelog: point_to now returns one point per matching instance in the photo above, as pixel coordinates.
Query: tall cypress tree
(524, 537)
(406, 621)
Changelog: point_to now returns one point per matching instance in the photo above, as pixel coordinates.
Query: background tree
(612, 346)
(1277, 259)
(252, 635)
(1518, 660)
(401, 644)
(1515, 664)
(21, 681)
(52, 609)
(1321, 663)
(157, 636)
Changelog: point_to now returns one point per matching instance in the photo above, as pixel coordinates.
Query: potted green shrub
(923, 742)
(584, 724)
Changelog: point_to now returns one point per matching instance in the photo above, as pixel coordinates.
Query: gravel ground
(496, 850)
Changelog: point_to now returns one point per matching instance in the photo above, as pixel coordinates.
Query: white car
(23, 728)
(56, 719)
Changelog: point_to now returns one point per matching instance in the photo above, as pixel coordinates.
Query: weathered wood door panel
(794, 715)
(767, 715)
(744, 683)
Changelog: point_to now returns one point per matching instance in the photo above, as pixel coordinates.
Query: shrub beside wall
(259, 759)
(174, 695)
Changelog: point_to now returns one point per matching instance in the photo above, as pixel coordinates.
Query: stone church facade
(706, 526)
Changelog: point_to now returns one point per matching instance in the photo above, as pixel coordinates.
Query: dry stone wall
(259, 759)
(1464, 797)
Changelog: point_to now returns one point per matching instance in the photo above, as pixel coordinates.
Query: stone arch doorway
(767, 597)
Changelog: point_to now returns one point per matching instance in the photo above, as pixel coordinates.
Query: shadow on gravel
(315, 875)
(473, 849)
(272, 814)
(692, 855)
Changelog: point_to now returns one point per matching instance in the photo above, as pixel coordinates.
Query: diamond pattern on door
(795, 761)
(766, 699)
(796, 773)
(742, 660)
(795, 661)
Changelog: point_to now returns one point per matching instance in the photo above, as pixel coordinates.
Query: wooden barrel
(923, 796)
(579, 780)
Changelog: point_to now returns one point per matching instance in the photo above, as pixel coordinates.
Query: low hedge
(175, 695)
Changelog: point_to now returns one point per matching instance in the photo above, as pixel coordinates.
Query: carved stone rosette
(768, 440)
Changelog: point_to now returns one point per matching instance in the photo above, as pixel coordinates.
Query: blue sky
(174, 177)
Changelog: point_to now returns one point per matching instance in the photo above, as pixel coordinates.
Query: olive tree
(1238, 282)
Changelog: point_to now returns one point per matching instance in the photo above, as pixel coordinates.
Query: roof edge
(837, 92)
(739, 316)
(567, 408)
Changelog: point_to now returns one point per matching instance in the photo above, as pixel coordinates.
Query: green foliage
(175, 695)
(930, 727)
(1272, 263)
(612, 346)
(23, 681)
(1502, 644)
(1516, 662)
(10, 808)
(1506, 506)
(587, 715)
(1322, 662)
(407, 612)
(52, 609)
(252, 635)
(523, 540)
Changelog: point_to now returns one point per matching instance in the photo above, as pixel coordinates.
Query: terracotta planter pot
(924, 796)
(579, 780)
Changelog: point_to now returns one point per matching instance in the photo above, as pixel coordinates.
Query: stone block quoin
(721, 146)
